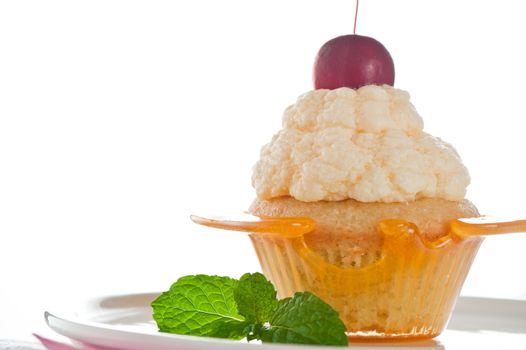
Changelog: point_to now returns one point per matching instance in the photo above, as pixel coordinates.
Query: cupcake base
(408, 292)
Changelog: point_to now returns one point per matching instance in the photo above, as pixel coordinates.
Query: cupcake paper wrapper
(408, 292)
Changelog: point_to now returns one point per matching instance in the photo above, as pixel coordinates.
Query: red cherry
(353, 61)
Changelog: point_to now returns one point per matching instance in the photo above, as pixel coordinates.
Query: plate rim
(58, 322)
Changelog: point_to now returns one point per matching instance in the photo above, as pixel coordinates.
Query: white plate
(125, 322)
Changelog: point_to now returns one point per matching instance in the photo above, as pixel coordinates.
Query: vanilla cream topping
(366, 144)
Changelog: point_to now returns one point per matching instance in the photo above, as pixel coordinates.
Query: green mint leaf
(305, 319)
(200, 305)
(255, 297)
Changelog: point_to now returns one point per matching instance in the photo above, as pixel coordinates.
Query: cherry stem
(355, 17)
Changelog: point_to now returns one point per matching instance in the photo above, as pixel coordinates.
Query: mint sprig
(200, 305)
(223, 307)
(255, 297)
(305, 319)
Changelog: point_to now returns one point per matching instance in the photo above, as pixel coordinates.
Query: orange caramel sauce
(485, 226)
(298, 226)
(285, 227)
(406, 294)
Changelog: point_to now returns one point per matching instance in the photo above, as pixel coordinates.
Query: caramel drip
(298, 226)
(485, 226)
(286, 227)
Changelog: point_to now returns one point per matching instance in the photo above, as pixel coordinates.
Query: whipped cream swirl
(367, 144)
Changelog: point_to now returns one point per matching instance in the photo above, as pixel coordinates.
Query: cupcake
(382, 193)
(358, 204)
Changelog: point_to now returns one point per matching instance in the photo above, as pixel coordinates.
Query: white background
(120, 118)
